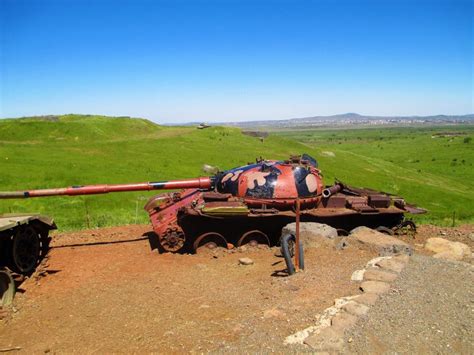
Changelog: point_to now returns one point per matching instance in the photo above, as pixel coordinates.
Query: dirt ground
(107, 291)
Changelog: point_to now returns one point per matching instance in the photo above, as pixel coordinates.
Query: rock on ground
(391, 265)
(448, 255)
(377, 287)
(373, 274)
(358, 275)
(329, 339)
(430, 312)
(446, 249)
(357, 309)
(245, 261)
(343, 321)
(383, 243)
(313, 234)
(368, 299)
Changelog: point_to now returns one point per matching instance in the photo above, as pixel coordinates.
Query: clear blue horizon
(181, 61)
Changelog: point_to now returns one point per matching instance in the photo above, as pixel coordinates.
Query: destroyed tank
(251, 204)
(24, 241)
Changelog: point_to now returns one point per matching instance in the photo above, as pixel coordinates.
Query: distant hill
(356, 119)
(68, 117)
(73, 127)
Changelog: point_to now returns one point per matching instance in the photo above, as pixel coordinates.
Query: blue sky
(179, 61)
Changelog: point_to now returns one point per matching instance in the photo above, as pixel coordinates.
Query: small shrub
(467, 140)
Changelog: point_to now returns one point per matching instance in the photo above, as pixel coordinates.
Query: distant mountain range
(356, 119)
(345, 119)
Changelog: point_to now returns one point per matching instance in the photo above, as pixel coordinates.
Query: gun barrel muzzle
(327, 192)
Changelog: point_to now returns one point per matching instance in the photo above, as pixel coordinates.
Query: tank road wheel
(384, 230)
(253, 238)
(208, 242)
(25, 250)
(406, 228)
(172, 240)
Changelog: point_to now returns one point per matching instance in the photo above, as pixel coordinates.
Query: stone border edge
(328, 334)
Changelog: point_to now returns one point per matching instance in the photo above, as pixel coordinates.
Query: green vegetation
(81, 150)
(435, 173)
(429, 166)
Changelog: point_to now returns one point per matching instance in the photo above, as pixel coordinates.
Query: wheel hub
(173, 241)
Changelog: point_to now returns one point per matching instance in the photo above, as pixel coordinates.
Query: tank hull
(191, 214)
(232, 229)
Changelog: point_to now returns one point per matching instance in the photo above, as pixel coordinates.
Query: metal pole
(297, 236)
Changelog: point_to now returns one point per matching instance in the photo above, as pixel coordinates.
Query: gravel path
(429, 310)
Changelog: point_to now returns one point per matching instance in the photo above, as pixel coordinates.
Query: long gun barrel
(198, 183)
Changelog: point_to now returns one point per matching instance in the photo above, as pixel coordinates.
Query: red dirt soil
(107, 291)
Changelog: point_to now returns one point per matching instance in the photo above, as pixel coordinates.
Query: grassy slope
(436, 173)
(94, 150)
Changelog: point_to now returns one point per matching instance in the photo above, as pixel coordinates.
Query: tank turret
(266, 181)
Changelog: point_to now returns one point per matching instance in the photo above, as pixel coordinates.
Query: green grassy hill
(428, 166)
(78, 150)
